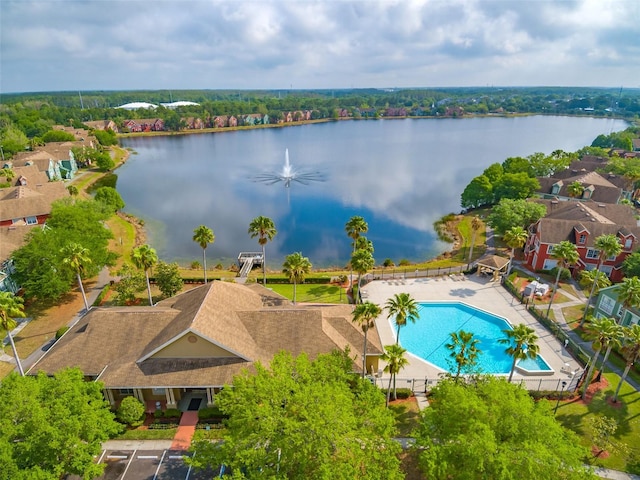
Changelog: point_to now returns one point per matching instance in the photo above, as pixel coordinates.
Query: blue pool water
(427, 337)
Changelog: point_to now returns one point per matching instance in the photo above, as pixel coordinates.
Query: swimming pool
(427, 337)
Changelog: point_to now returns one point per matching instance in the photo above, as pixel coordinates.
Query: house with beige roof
(192, 345)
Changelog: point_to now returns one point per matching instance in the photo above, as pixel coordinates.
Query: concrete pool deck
(482, 293)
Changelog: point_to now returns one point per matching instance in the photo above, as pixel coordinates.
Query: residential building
(192, 345)
(608, 305)
(581, 223)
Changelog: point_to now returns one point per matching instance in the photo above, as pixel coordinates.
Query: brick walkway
(186, 429)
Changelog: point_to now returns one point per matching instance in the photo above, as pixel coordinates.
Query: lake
(401, 175)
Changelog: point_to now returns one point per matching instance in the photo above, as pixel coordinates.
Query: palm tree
(354, 227)
(77, 257)
(609, 245)
(476, 225)
(602, 331)
(296, 267)
(361, 261)
(589, 277)
(396, 361)
(522, 344)
(464, 350)
(10, 308)
(617, 336)
(144, 257)
(265, 230)
(575, 189)
(566, 254)
(629, 293)
(365, 315)
(404, 308)
(515, 237)
(203, 236)
(363, 243)
(630, 352)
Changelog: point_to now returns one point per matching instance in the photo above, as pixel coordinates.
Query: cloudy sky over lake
(281, 44)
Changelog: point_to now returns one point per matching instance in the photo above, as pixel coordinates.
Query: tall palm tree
(396, 361)
(476, 225)
(363, 243)
(144, 257)
(602, 331)
(614, 341)
(404, 308)
(354, 227)
(361, 261)
(203, 236)
(10, 308)
(608, 245)
(365, 315)
(77, 257)
(515, 237)
(296, 267)
(589, 277)
(566, 254)
(464, 350)
(265, 230)
(522, 344)
(630, 352)
(629, 293)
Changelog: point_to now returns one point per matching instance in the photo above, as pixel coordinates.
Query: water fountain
(288, 174)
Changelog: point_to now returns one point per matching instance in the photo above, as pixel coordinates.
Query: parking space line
(128, 464)
(189, 470)
(118, 457)
(102, 456)
(155, 475)
(147, 457)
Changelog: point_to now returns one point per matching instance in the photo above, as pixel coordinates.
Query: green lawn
(575, 415)
(311, 293)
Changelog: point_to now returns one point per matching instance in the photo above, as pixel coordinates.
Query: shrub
(402, 393)
(172, 413)
(404, 262)
(565, 274)
(102, 296)
(388, 263)
(158, 414)
(195, 265)
(131, 411)
(210, 412)
(61, 331)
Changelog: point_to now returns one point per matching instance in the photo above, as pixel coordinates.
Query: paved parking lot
(149, 465)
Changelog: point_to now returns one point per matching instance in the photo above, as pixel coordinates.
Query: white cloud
(75, 44)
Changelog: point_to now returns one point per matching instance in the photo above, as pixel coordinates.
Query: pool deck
(478, 292)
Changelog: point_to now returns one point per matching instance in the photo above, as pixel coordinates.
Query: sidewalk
(103, 279)
(578, 299)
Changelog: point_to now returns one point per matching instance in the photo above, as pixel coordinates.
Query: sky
(69, 45)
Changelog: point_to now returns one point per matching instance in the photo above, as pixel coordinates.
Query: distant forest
(32, 115)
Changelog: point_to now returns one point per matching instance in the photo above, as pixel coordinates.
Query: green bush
(102, 295)
(565, 274)
(402, 393)
(61, 331)
(172, 413)
(388, 263)
(210, 412)
(158, 414)
(131, 411)
(404, 262)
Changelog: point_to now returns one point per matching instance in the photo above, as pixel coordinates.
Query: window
(606, 269)
(628, 243)
(158, 391)
(126, 391)
(593, 253)
(32, 220)
(550, 249)
(582, 239)
(607, 304)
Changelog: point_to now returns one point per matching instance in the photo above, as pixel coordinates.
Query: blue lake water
(427, 337)
(400, 175)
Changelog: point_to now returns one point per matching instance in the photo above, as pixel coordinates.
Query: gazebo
(493, 265)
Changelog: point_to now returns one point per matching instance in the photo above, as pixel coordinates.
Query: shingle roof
(19, 202)
(598, 219)
(120, 342)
